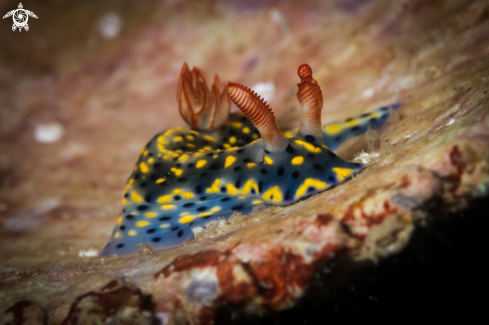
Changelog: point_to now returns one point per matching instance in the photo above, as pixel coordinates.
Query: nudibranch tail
(334, 134)
(311, 100)
(203, 109)
(260, 114)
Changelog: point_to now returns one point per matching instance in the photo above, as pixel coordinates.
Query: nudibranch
(222, 162)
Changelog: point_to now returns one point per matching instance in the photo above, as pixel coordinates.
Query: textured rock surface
(58, 200)
(116, 303)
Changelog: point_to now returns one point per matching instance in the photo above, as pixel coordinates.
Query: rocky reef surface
(89, 84)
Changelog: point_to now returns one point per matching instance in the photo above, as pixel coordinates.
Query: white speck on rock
(197, 230)
(365, 157)
(109, 25)
(265, 89)
(203, 287)
(368, 92)
(33, 216)
(88, 253)
(46, 133)
(451, 122)
(222, 223)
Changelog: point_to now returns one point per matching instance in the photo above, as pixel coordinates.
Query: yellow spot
(255, 136)
(242, 197)
(146, 152)
(232, 140)
(229, 161)
(308, 146)
(161, 147)
(131, 181)
(209, 138)
(335, 128)
(256, 202)
(177, 191)
(190, 145)
(352, 123)
(165, 225)
(268, 160)
(117, 235)
(177, 171)
(232, 189)
(186, 219)
(215, 209)
(124, 202)
(142, 223)
(207, 148)
(188, 195)
(119, 220)
(342, 173)
(136, 197)
(161, 138)
(144, 168)
(236, 124)
(214, 187)
(289, 134)
(297, 160)
(164, 199)
(201, 163)
(160, 180)
(249, 185)
(168, 206)
(250, 164)
(178, 139)
(182, 157)
(132, 233)
(190, 138)
(310, 182)
(226, 146)
(215, 156)
(150, 214)
(273, 194)
(246, 130)
(150, 160)
(211, 211)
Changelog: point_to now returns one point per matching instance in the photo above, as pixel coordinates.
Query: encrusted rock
(116, 303)
(23, 312)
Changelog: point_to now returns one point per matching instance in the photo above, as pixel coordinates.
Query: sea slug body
(222, 163)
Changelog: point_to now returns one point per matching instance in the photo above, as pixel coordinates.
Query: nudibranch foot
(187, 178)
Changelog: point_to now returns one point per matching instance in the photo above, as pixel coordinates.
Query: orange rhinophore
(260, 114)
(311, 100)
